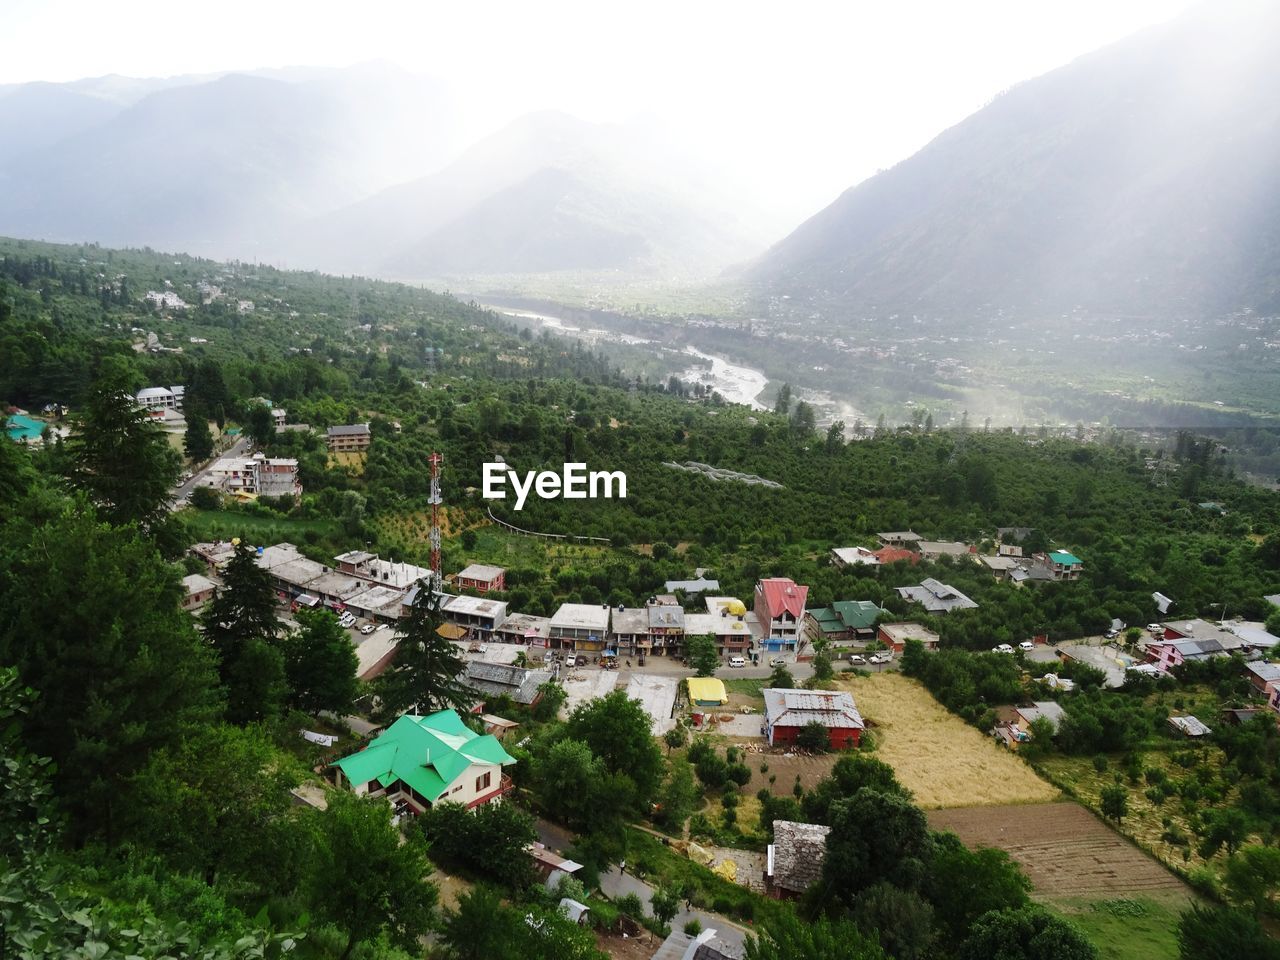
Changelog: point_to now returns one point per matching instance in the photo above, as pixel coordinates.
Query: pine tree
(241, 625)
(119, 458)
(423, 677)
(198, 442)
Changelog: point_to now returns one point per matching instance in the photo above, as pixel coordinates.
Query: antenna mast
(435, 500)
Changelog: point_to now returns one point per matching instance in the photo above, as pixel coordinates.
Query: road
(200, 477)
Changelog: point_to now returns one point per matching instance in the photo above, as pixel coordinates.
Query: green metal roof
(846, 615)
(426, 753)
(1061, 556)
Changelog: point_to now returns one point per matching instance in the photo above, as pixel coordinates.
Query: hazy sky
(798, 99)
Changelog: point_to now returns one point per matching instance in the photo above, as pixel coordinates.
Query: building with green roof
(844, 620)
(1061, 565)
(421, 761)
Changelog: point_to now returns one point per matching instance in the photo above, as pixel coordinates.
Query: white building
(258, 476)
(161, 398)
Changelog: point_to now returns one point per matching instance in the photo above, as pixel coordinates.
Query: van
(570, 662)
(737, 661)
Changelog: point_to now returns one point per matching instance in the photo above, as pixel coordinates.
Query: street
(183, 490)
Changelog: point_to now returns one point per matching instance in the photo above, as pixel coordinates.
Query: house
(579, 626)
(895, 636)
(1002, 567)
(215, 555)
(1008, 550)
(896, 555)
(853, 556)
(843, 621)
(257, 476)
(630, 629)
(1167, 654)
(502, 679)
(1264, 677)
(1061, 564)
(933, 549)
(348, 438)
(1239, 716)
(481, 578)
(198, 590)
(707, 691)
(793, 862)
(731, 630)
(700, 585)
(478, 614)
(937, 597)
(898, 538)
(497, 726)
(779, 609)
(1189, 726)
(1048, 709)
(703, 946)
(787, 712)
(666, 625)
(420, 761)
(161, 398)
(369, 566)
(1253, 638)
(1198, 629)
(524, 628)
(549, 865)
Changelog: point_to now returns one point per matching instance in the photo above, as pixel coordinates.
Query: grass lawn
(1140, 928)
(942, 760)
(223, 524)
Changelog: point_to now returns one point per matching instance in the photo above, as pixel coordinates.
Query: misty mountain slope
(548, 192)
(34, 116)
(217, 165)
(1143, 179)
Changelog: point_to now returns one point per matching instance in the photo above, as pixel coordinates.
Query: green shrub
(693, 927)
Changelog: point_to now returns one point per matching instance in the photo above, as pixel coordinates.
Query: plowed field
(1064, 849)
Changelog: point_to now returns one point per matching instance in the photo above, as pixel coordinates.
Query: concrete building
(161, 398)
(579, 626)
(779, 609)
(482, 578)
(936, 597)
(349, 438)
(895, 636)
(197, 591)
(257, 476)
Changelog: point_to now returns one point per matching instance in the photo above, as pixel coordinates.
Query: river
(734, 382)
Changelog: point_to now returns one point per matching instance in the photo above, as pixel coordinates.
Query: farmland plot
(942, 760)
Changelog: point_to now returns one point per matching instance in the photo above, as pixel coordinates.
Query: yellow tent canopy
(707, 691)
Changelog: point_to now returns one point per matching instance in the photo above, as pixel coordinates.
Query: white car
(883, 657)
(1156, 627)
(367, 629)
(1002, 648)
(737, 661)
(1026, 645)
(570, 662)
(857, 658)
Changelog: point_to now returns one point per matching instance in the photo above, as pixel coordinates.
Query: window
(482, 782)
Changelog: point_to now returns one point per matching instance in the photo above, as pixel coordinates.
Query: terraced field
(1064, 849)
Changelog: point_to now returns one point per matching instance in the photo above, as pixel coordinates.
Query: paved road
(200, 477)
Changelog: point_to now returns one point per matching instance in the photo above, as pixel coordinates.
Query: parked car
(367, 629)
(884, 656)
(1112, 633)
(1002, 648)
(570, 662)
(857, 658)
(777, 662)
(1026, 645)
(1156, 627)
(737, 661)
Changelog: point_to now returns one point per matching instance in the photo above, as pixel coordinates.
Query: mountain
(212, 165)
(1142, 180)
(546, 193)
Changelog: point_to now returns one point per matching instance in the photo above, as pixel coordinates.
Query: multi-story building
(779, 610)
(161, 398)
(349, 438)
(258, 476)
(481, 578)
(579, 626)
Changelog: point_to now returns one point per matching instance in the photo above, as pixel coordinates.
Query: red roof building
(779, 608)
(894, 554)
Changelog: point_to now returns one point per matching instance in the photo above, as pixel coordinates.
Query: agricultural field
(1162, 828)
(261, 528)
(942, 760)
(1064, 849)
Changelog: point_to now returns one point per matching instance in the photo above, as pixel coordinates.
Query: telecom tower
(435, 500)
